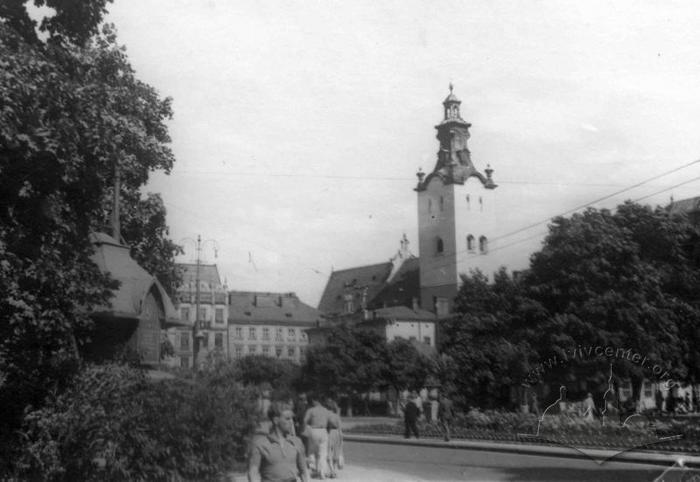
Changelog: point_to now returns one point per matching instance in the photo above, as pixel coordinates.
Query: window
(302, 335)
(266, 350)
(483, 245)
(239, 333)
(251, 333)
(184, 340)
(238, 349)
(278, 334)
(442, 203)
(266, 334)
(184, 361)
(204, 343)
(301, 352)
(426, 340)
(185, 313)
(439, 246)
(252, 349)
(219, 314)
(291, 351)
(278, 351)
(470, 243)
(291, 334)
(430, 205)
(219, 340)
(442, 306)
(348, 304)
(202, 314)
(647, 390)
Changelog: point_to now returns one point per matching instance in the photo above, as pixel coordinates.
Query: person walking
(316, 419)
(300, 408)
(410, 417)
(335, 438)
(278, 455)
(445, 415)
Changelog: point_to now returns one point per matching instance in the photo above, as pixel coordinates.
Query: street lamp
(197, 334)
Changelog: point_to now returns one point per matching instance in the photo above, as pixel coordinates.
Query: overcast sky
(299, 126)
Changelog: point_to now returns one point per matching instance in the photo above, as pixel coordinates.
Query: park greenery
(72, 113)
(623, 279)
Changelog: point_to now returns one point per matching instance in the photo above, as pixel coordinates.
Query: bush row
(113, 423)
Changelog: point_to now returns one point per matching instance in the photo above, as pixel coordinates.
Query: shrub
(113, 423)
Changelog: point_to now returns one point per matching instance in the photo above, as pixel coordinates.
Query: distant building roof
(208, 273)
(135, 282)
(359, 282)
(403, 313)
(252, 307)
(685, 206)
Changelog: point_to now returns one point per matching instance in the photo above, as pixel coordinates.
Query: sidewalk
(598, 455)
(354, 473)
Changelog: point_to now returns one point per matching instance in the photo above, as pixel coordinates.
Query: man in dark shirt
(278, 456)
(445, 415)
(410, 417)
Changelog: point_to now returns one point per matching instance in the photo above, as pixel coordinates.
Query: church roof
(257, 307)
(353, 280)
(134, 282)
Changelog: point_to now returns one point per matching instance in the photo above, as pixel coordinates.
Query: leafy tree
(261, 370)
(488, 341)
(71, 110)
(351, 359)
(407, 367)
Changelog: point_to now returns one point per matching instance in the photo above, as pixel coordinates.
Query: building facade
(456, 214)
(206, 309)
(270, 324)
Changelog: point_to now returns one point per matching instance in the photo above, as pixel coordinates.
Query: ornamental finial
(451, 87)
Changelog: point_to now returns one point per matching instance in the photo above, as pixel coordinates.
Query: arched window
(439, 246)
(470, 243)
(483, 245)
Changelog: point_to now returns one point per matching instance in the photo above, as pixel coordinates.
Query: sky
(299, 125)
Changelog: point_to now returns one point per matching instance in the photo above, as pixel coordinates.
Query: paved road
(368, 462)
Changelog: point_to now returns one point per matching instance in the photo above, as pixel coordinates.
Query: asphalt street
(387, 462)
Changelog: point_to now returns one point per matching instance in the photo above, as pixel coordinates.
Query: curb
(600, 456)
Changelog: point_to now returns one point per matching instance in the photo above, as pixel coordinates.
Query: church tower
(456, 214)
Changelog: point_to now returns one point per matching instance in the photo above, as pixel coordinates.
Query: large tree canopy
(71, 109)
(625, 279)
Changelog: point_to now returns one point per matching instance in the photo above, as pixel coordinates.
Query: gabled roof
(401, 288)
(134, 282)
(254, 307)
(353, 281)
(685, 206)
(208, 273)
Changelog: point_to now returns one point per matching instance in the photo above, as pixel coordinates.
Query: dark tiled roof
(685, 206)
(274, 308)
(135, 282)
(403, 286)
(208, 273)
(403, 313)
(353, 280)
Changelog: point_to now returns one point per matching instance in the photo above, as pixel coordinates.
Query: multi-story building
(270, 324)
(205, 308)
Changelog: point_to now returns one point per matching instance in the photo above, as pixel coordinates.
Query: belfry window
(439, 246)
(483, 245)
(470, 243)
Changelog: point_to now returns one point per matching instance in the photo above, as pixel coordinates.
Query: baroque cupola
(454, 163)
